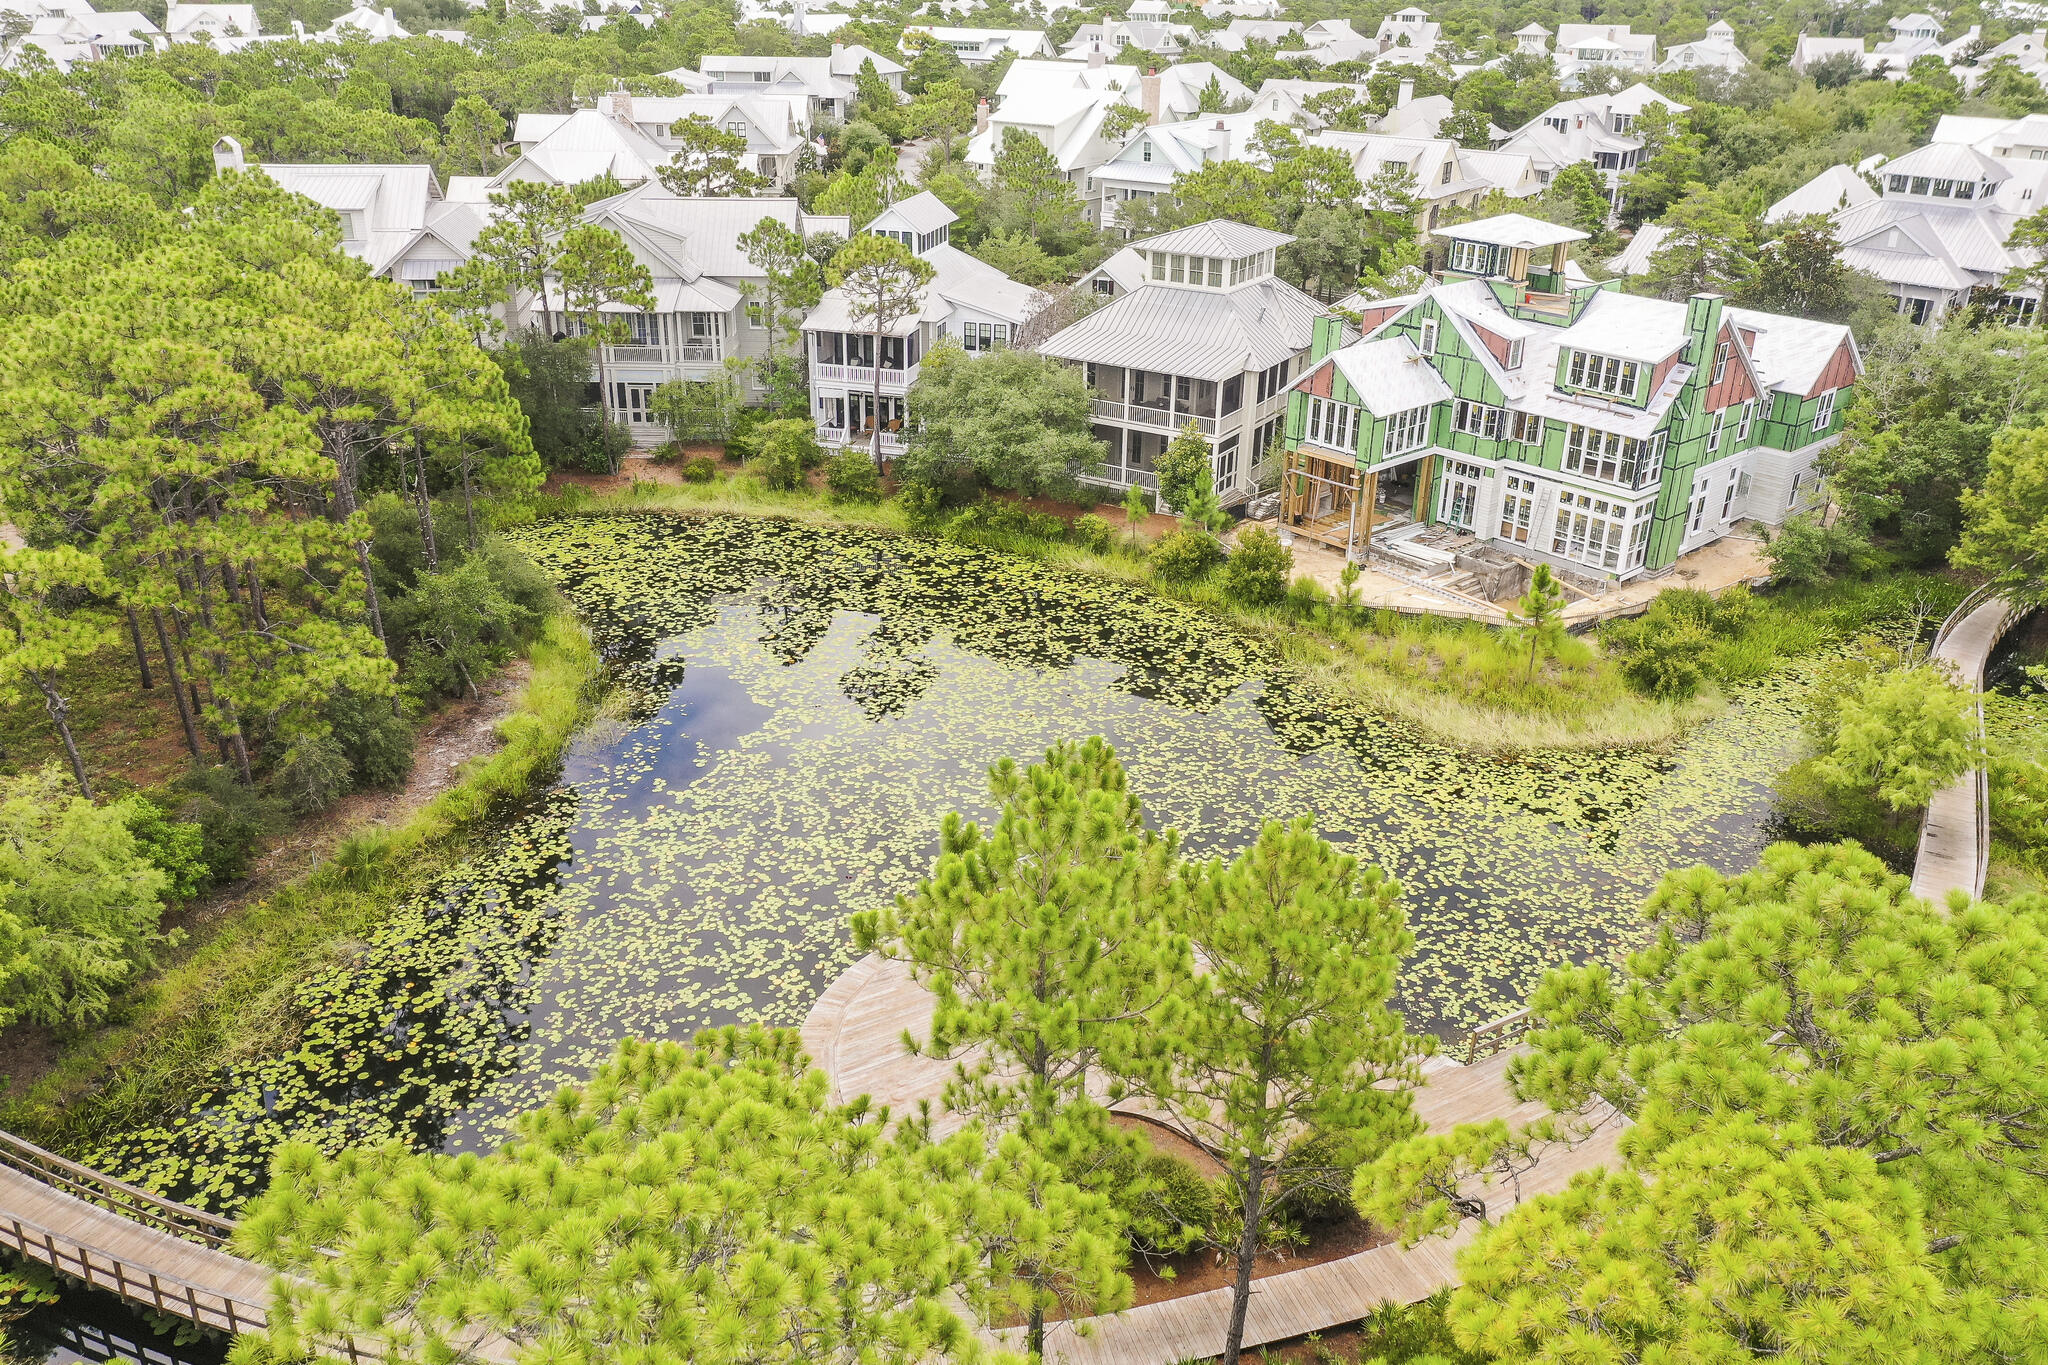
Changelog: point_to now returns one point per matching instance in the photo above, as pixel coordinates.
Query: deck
(855, 1035)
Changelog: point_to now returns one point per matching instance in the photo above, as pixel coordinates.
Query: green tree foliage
(44, 638)
(457, 623)
(80, 901)
(1287, 1034)
(474, 132)
(706, 1203)
(1927, 409)
(1258, 569)
(1537, 624)
(884, 283)
(1834, 1093)
(1898, 738)
(1670, 164)
(709, 162)
(789, 450)
(2006, 519)
(790, 286)
(599, 276)
(1800, 273)
(861, 195)
(517, 247)
(1049, 944)
(1706, 249)
(1013, 420)
(1184, 469)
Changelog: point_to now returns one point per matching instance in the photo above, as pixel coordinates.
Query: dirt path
(455, 734)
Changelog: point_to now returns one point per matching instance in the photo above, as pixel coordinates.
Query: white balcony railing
(1158, 419)
(689, 353)
(863, 376)
(892, 441)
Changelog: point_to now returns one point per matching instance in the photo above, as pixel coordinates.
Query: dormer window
(1601, 374)
(1624, 122)
(1332, 425)
(1145, 150)
(1514, 360)
(1472, 258)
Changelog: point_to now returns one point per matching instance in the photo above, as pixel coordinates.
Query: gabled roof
(921, 212)
(1217, 237)
(1949, 161)
(1197, 333)
(1635, 257)
(1791, 353)
(1390, 375)
(959, 281)
(1834, 189)
(584, 146)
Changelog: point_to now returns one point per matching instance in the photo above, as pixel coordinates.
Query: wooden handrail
(159, 1289)
(1497, 1035)
(130, 1201)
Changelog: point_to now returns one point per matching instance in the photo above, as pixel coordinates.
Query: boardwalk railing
(165, 1292)
(130, 1201)
(1980, 777)
(1497, 1035)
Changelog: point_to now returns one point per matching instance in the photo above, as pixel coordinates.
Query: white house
(1596, 130)
(1532, 40)
(1178, 91)
(394, 219)
(2026, 52)
(1809, 50)
(967, 300)
(1411, 30)
(628, 137)
(366, 22)
(982, 46)
(1833, 190)
(206, 23)
(1110, 38)
(1612, 45)
(828, 82)
(1063, 105)
(1936, 231)
(1919, 35)
(1240, 34)
(1718, 51)
(1210, 336)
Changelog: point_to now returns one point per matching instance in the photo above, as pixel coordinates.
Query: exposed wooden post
(1372, 498)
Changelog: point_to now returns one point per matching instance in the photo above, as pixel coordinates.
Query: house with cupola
(1513, 404)
(1199, 333)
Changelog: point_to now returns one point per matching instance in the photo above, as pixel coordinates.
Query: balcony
(863, 377)
(1149, 417)
(687, 355)
(861, 438)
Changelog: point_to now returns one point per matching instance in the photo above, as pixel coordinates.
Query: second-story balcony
(1160, 402)
(1161, 418)
(706, 354)
(863, 377)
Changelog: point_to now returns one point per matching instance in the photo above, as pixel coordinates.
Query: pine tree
(46, 640)
(1538, 622)
(598, 271)
(884, 284)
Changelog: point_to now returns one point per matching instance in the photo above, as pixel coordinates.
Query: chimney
(1096, 58)
(1148, 94)
(622, 105)
(227, 155)
(1222, 140)
(1407, 93)
(1702, 327)
(389, 17)
(981, 117)
(298, 30)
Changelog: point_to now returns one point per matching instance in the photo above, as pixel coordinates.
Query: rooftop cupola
(1513, 248)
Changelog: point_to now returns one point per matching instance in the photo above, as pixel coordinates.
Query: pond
(811, 702)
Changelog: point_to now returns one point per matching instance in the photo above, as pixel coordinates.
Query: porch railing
(689, 353)
(1143, 415)
(893, 381)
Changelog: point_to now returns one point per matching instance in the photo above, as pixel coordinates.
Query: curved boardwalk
(855, 1031)
(1955, 835)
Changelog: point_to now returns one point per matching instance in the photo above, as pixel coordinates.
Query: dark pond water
(812, 701)
(86, 1327)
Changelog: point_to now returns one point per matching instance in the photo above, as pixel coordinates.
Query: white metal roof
(921, 212)
(1390, 375)
(1512, 230)
(1198, 333)
(1216, 237)
(1836, 188)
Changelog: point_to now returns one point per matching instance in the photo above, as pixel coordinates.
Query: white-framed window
(1728, 498)
(1720, 363)
(756, 319)
(1612, 457)
(1714, 429)
(736, 126)
(1332, 425)
(1145, 150)
(1472, 258)
(1742, 424)
(1514, 360)
(1428, 343)
(1528, 428)
(976, 337)
(1517, 508)
(1792, 498)
(1226, 463)
(1480, 419)
(1407, 430)
(1601, 373)
(1595, 530)
(1824, 411)
(1459, 503)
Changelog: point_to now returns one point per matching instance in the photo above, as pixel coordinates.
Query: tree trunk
(1247, 1257)
(60, 716)
(468, 500)
(141, 650)
(423, 507)
(878, 388)
(163, 638)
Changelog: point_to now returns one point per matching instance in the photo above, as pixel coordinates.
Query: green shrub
(1316, 1180)
(668, 452)
(702, 469)
(233, 819)
(1257, 571)
(851, 477)
(1185, 555)
(789, 450)
(1179, 1206)
(1667, 658)
(1093, 533)
(743, 442)
(377, 742)
(176, 847)
(924, 505)
(314, 774)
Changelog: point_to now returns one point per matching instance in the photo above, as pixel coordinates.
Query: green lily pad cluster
(814, 699)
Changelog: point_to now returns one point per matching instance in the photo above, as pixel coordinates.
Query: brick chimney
(981, 117)
(1222, 140)
(1702, 327)
(622, 105)
(1148, 94)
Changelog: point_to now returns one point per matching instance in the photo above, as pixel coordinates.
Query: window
(1594, 530)
(2018, 309)
(1714, 430)
(1612, 457)
(1407, 431)
(1792, 498)
(1624, 122)
(1459, 502)
(1601, 373)
(1332, 424)
(1728, 498)
(1158, 265)
(1447, 174)
(1824, 411)
(1428, 343)
(1915, 311)
(977, 337)
(1480, 419)
(1145, 150)
(1514, 360)
(1528, 428)
(1472, 258)
(1272, 381)
(1226, 463)
(1742, 424)
(1517, 509)
(1720, 363)
(1104, 285)
(1233, 394)
(1896, 184)
(736, 126)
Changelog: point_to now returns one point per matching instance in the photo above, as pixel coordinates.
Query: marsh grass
(231, 998)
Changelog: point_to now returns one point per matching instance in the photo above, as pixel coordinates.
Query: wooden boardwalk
(1955, 833)
(854, 1034)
